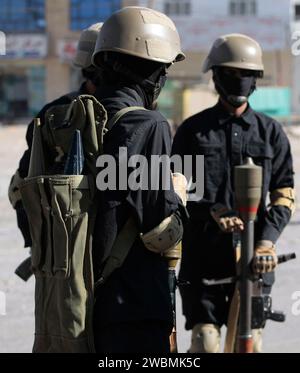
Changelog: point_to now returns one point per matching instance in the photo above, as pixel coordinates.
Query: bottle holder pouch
(59, 213)
(57, 208)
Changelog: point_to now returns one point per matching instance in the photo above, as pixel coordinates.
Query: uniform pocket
(61, 195)
(259, 152)
(31, 199)
(262, 155)
(209, 149)
(214, 165)
(57, 209)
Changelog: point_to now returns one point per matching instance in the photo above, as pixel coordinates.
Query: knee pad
(205, 339)
(257, 340)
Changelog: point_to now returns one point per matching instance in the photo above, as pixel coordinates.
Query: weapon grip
(24, 270)
(276, 316)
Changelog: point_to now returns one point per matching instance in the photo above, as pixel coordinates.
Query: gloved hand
(180, 185)
(265, 258)
(227, 220)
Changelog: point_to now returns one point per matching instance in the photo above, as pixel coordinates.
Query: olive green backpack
(61, 210)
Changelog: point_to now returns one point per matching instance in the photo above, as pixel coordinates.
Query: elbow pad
(167, 234)
(180, 185)
(284, 197)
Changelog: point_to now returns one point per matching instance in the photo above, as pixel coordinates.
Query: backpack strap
(123, 243)
(120, 114)
(126, 237)
(72, 95)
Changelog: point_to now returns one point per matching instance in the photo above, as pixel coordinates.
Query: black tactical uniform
(136, 296)
(225, 141)
(133, 311)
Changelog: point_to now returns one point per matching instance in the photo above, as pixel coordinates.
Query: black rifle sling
(127, 235)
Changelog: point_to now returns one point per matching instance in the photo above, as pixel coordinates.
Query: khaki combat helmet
(140, 32)
(86, 46)
(235, 50)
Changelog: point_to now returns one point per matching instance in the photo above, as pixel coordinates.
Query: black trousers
(149, 336)
(210, 304)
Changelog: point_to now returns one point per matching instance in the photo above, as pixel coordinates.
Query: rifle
(173, 255)
(253, 311)
(262, 303)
(24, 270)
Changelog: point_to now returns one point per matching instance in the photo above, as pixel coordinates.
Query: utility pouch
(59, 209)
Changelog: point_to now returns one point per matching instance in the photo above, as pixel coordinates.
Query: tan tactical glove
(265, 258)
(227, 220)
(180, 185)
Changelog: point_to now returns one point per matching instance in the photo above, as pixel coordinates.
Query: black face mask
(234, 90)
(153, 85)
(158, 87)
(148, 75)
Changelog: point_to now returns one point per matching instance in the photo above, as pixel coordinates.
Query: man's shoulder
(198, 119)
(267, 121)
(62, 100)
(145, 118)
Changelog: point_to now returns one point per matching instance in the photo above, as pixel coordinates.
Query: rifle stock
(173, 255)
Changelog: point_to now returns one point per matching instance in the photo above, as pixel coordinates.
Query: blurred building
(42, 37)
(200, 22)
(295, 50)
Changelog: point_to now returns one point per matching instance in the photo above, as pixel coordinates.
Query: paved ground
(16, 327)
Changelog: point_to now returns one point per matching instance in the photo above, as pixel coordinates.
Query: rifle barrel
(286, 257)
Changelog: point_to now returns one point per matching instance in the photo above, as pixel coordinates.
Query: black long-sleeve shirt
(139, 289)
(226, 141)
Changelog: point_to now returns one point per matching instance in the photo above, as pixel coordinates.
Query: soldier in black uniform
(226, 134)
(92, 76)
(133, 310)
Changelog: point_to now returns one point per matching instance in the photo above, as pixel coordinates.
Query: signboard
(26, 46)
(66, 50)
(271, 33)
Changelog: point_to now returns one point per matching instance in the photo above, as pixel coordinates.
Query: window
(297, 12)
(242, 7)
(85, 13)
(22, 15)
(177, 7)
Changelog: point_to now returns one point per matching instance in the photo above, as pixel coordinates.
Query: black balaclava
(147, 77)
(94, 74)
(234, 90)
